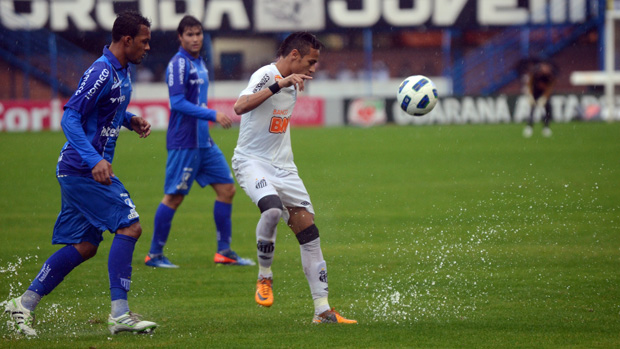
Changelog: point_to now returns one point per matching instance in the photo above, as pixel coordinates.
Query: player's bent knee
(300, 219)
(269, 202)
(230, 191)
(134, 230)
(86, 249)
(173, 200)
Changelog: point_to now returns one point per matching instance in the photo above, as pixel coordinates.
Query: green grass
(439, 236)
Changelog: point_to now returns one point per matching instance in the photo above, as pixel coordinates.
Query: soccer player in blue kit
(192, 154)
(93, 198)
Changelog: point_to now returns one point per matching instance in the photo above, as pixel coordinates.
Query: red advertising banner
(35, 116)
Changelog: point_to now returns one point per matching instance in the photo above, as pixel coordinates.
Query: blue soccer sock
(222, 213)
(163, 222)
(54, 270)
(119, 266)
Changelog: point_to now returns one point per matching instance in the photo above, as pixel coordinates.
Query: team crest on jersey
(261, 184)
(116, 83)
(278, 78)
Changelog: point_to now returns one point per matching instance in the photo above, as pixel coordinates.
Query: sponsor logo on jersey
(280, 112)
(263, 81)
(196, 81)
(304, 203)
(120, 99)
(261, 184)
(181, 70)
(278, 78)
(110, 132)
(102, 78)
(170, 75)
(86, 76)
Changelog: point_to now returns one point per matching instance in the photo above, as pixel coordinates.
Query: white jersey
(265, 133)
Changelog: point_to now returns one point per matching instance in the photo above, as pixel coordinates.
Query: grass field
(439, 236)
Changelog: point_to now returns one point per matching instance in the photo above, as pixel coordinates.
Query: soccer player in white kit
(264, 167)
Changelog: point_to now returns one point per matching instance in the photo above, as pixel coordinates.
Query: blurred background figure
(144, 74)
(344, 72)
(541, 79)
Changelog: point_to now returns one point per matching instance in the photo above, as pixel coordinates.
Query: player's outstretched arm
(247, 103)
(141, 126)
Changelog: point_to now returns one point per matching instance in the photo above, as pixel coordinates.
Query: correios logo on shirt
(102, 78)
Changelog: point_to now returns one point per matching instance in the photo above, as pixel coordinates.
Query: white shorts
(259, 179)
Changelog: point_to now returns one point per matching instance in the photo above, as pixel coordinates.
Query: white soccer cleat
(546, 132)
(130, 322)
(24, 318)
(527, 131)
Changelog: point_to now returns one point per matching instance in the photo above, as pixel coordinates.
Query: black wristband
(274, 88)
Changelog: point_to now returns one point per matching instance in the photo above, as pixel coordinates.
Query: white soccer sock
(30, 300)
(266, 240)
(119, 307)
(316, 273)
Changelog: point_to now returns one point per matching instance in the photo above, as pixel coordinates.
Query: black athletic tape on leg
(265, 246)
(269, 201)
(309, 234)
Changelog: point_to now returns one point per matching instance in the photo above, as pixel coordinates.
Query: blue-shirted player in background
(93, 198)
(192, 154)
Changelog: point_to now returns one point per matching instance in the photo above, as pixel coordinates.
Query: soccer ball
(417, 95)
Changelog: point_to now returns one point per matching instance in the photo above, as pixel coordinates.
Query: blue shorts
(90, 208)
(205, 165)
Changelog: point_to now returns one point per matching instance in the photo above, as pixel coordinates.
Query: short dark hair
(128, 24)
(301, 41)
(188, 22)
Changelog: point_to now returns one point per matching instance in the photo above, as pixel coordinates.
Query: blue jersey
(94, 115)
(188, 82)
